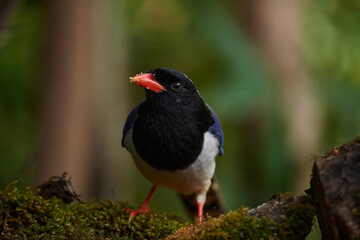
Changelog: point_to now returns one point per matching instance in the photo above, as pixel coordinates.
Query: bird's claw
(144, 208)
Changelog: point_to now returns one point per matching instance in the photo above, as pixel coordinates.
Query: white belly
(194, 179)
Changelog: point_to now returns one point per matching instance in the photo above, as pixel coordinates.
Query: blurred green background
(282, 76)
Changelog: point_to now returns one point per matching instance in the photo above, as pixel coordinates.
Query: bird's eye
(176, 86)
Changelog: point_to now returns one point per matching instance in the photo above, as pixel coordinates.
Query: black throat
(171, 137)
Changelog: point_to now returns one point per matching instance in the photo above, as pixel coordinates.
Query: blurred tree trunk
(276, 27)
(66, 125)
(111, 99)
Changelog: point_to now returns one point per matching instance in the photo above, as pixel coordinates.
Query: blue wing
(216, 130)
(130, 121)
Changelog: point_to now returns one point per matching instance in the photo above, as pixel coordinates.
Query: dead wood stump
(336, 188)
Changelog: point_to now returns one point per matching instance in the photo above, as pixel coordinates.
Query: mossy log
(26, 214)
(282, 217)
(55, 211)
(336, 188)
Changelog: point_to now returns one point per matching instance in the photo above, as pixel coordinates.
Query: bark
(336, 188)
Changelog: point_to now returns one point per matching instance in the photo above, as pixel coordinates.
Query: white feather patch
(194, 179)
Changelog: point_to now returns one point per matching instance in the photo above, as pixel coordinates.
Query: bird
(174, 137)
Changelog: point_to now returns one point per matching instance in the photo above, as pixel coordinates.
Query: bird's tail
(214, 205)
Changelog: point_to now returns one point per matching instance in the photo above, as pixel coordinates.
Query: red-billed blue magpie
(173, 136)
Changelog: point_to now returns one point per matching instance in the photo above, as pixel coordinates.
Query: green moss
(234, 225)
(283, 218)
(26, 214)
(299, 214)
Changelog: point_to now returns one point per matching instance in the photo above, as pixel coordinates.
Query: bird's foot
(144, 208)
(200, 212)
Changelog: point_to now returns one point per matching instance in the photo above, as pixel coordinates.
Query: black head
(180, 90)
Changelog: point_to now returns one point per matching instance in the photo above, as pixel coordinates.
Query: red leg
(144, 207)
(200, 211)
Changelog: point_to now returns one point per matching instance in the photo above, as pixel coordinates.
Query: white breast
(194, 179)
